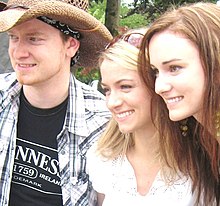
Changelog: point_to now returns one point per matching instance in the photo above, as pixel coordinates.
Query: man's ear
(72, 46)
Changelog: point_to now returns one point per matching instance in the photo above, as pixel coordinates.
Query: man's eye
(12, 37)
(34, 39)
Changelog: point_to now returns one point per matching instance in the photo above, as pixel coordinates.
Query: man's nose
(20, 49)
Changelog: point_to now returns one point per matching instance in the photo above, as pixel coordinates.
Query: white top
(116, 179)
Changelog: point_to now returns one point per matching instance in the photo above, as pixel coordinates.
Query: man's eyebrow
(35, 33)
(31, 33)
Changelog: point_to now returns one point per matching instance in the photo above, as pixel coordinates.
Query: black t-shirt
(36, 179)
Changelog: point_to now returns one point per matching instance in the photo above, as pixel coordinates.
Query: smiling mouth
(26, 65)
(174, 100)
(124, 114)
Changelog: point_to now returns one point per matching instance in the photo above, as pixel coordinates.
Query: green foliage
(153, 8)
(86, 75)
(134, 21)
(98, 10)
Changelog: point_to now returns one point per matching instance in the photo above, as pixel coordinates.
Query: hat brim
(94, 34)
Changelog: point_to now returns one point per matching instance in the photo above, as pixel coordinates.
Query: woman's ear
(72, 46)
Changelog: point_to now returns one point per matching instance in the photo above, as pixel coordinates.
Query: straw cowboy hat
(71, 12)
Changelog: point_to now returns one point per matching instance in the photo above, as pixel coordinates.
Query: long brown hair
(197, 152)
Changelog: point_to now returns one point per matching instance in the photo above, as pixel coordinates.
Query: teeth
(26, 65)
(121, 115)
(176, 99)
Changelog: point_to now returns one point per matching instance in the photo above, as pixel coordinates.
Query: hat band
(65, 29)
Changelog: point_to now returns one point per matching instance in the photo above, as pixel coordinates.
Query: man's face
(38, 54)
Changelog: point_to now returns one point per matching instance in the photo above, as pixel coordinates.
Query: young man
(48, 119)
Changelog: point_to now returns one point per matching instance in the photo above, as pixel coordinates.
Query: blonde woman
(126, 167)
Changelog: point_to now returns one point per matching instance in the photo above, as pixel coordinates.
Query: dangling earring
(184, 127)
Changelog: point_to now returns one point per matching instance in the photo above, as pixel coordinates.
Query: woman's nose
(114, 100)
(162, 84)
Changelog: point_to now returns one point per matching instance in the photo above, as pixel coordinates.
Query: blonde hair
(122, 53)
(113, 142)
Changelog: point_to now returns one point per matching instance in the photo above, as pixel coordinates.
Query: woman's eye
(126, 86)
(175, 68)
